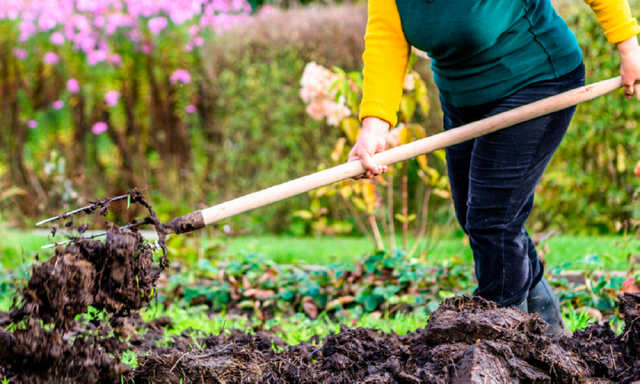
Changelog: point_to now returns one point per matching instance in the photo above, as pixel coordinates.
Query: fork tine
(99, 234)
(77, 210)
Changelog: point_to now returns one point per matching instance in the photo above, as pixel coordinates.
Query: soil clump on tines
(117, 275)
(47, 343)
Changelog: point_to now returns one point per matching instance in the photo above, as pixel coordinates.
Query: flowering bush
(335, 96)
(91, 25)
(121, 71)
(318, 94)
(102, 32)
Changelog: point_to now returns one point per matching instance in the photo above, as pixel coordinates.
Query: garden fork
(200, 218)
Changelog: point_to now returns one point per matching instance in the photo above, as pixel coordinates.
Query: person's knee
(481, 222)
(497, 218)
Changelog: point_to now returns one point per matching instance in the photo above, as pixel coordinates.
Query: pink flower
(96, 56)
(88, 5)
(237, 5)
(50, 58)
(57, 38)
(317, 109)
(58, 104)
(115, 59)
(46, 22)
(99, 127)
(20, 53)
(190, 109)
(73, 86)
(146, 48)
(316, 83)
(337, 112)
(111, 98)
(134, 35)
(32, 124)
(157, 24)
(85, 42)
(180, 16)
(180, 75)
(198, 41)
(267, 10)
(27, 29)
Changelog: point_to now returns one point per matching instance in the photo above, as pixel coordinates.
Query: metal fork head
(134, 224)
(87, 209)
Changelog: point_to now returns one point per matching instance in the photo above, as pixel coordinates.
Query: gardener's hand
(372, 139)
(630, 66)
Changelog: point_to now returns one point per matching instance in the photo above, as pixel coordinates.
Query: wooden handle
(407, 151)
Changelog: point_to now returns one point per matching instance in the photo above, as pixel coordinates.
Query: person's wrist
(372, 124)
(628, 46)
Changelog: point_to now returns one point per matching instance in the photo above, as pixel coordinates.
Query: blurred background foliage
(249, 129)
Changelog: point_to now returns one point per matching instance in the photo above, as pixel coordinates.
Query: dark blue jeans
(492, 182)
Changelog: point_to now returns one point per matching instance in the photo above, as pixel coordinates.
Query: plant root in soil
(467, 340)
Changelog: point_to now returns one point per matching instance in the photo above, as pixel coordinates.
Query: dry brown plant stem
(376, 231)
(405, 208)
(356, 216)
(392, 227)
(423, 220)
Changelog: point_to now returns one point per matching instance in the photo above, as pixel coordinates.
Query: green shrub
(260, 134)
(589, 185)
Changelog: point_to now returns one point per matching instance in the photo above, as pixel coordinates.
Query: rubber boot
(524, 306)
(541, 300)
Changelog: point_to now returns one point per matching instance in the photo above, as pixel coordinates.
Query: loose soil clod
(467, 339)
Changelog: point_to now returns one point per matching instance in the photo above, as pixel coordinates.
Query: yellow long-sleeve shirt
(483, 51)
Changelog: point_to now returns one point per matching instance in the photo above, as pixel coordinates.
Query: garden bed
(48, 336)
(466, 340)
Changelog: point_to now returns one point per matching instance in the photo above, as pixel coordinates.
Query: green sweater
(485, 50)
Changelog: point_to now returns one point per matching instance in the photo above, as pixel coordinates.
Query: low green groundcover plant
(381, 283)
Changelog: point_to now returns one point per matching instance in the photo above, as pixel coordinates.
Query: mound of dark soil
(467, 340)
(608, 355)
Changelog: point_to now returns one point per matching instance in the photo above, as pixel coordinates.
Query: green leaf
(351, 128)
(405, 219)
(407, 108)
(371, 302)
(421, 95)
(303, 214)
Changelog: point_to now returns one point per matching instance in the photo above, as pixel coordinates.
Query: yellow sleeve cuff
(623, 31)
(616, 19)
(380, 109)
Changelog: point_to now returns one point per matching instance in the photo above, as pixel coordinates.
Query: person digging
(489, 56)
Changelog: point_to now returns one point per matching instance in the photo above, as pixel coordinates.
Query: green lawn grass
(571, 252)
(292, 329)
(581, 252)
(19, 247)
